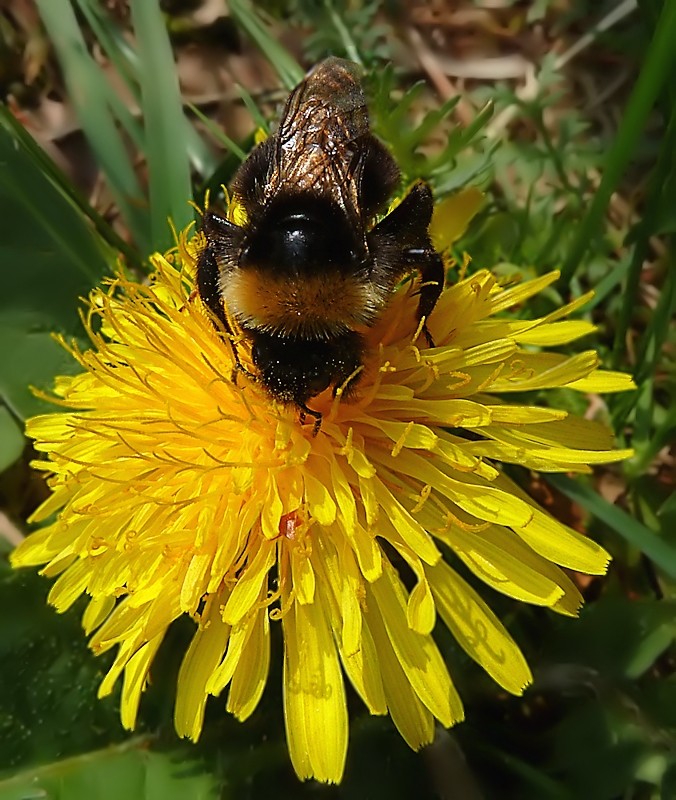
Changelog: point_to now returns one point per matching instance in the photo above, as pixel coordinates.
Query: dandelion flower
(178, 490)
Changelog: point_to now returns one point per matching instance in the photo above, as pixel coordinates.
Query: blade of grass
(116, 45)
(630, 529)
(66, 187)
(644, 411)
(658, 328)
(26, 198)
(218, 133)
(126, 61)
(609, 284)
(658, 67)
(658, 197)
(252, 108)
(168, 168)
(342, 30)
(12, 440)
(51, 257)
(287, 68)
(110, 44)
(90, 94)
(131, 125)
(222, 175)
(647, 440)
(654, 429)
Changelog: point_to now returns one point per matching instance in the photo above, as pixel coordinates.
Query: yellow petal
(571, 602)
(303, 576)
(347, 508)
(563, 545)
(452, 216)
(251, 670)
(321, 505)
(555, 333)
(248, 586)
(477, 630)
(412, 719)
(531, 371)
(272, 512)
(201, 659)
(96, 612)
(341, 572)
(367, 550)
(517, 294)
(417, 654)
(35, 549)
(340, 583)
(501, 560)
(70, 585)
(557, 542)
(135, 678)
(570, 431)
(195, 580)
(315, 711)
(420, 611)
(237, 642)
(407, 527)
(483, 502)
(365, 668)
(604, 381)
(524, 415)
(369, 501)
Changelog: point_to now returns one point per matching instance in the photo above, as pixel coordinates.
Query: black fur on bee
(310, 267)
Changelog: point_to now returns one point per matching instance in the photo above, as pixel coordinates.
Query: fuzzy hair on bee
(310, 266)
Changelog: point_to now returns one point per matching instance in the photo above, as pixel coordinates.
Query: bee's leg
(207, 286)
(431, 268)
(305, 411)
(209, 292)
(240, 369)
(400, 242)
(380, 176)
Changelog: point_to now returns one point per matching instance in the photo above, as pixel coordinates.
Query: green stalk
(658, 67)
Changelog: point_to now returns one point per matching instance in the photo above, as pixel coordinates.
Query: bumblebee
(311, 267)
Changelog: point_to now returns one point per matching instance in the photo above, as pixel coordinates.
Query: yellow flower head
(179, 490)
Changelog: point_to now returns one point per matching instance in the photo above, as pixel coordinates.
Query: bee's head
(294, 370)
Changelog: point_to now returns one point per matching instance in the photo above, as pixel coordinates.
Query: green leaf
(114, 773)
(12, 441)
(50, 258)
(42, 163)
(619, 638)
(112, 38)
(165, 125)
(463, 157)
(667, 511)
(31, 360)
(597, 753)
(48, 679)
(91, 95)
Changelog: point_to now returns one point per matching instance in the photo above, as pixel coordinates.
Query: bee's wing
(321, 141)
